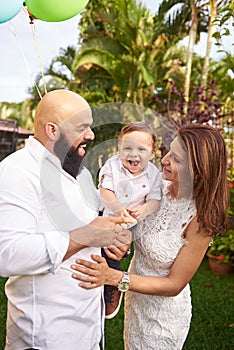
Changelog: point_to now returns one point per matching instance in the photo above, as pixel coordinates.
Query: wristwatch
(124, 284)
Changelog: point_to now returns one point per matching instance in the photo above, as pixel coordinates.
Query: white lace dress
(158, 322)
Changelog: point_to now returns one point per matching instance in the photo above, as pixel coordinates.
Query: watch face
(124, 286)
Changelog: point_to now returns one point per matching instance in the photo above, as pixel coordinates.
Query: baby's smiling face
(135, 150)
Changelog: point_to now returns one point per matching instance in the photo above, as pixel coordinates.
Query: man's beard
(70, 160)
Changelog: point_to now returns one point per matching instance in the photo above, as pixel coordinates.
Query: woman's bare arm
(182, 271)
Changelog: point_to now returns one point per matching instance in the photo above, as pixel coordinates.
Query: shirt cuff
(156, 196)
(107, 184)
(57, 244)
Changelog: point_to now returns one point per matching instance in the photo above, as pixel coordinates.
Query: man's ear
(52, 131)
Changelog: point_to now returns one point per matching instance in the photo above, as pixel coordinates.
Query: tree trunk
(211, 30)
(192, 39)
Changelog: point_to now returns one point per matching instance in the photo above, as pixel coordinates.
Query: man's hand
(108, 231)
(120, 246)
(101, 232)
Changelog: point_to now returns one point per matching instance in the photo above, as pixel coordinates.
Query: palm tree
(129, 43)
(215, 6)
(203, 15)
(225, 19)
(193, 9)
(119, 49)
(192, 40)
(211, 31)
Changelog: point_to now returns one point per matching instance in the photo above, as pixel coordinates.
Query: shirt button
(143, 186)
(126, 195)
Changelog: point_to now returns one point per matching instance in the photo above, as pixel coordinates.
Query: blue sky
(19, 61)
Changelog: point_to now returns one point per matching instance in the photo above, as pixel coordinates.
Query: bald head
(56, 107)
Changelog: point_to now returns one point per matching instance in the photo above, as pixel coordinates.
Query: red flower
(230, 185)
(221, 257)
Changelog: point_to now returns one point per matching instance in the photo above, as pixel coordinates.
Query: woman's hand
(95, 274)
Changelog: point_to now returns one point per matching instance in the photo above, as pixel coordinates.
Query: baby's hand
(138, 212)
(125, 214)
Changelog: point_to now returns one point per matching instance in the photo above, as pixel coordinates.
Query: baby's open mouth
(133, 162)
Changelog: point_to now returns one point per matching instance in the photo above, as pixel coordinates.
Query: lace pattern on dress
(156, 322)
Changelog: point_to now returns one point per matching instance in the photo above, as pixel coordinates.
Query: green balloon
(55, 10)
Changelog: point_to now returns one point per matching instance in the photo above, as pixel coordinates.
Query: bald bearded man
(48, 215)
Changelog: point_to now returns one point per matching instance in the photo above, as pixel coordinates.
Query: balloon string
(38, 56)
(24, 57)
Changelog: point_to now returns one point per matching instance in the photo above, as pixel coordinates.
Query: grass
(212, 325)
(3, 310)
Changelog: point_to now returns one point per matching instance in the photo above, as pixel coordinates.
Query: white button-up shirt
(39, 204)
(130, 190)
